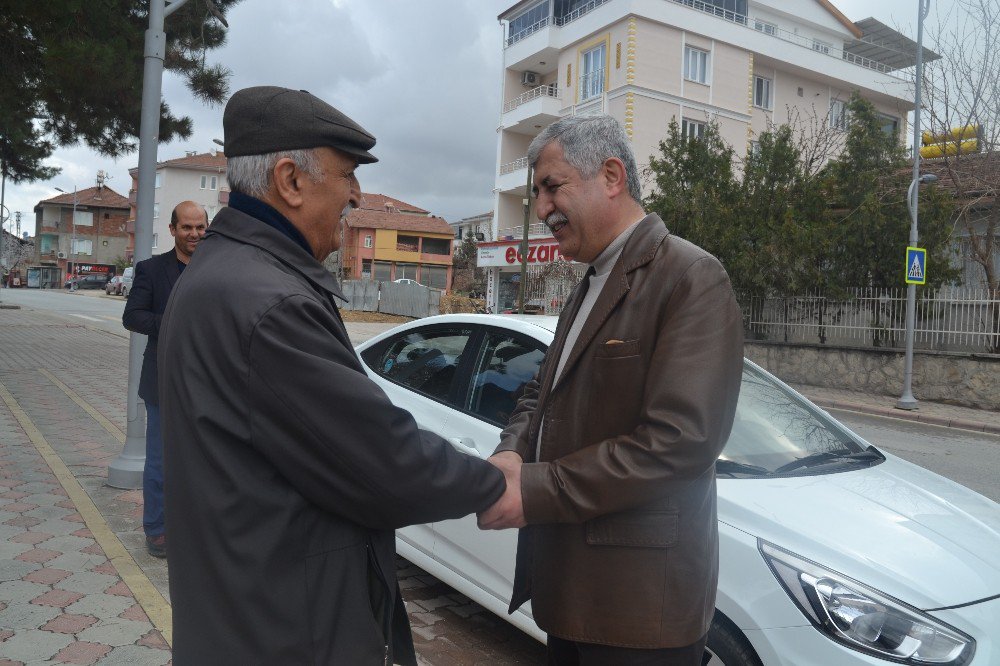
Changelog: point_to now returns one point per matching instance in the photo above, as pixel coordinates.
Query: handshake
(508, 510)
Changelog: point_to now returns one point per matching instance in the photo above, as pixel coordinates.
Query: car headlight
(865, 619)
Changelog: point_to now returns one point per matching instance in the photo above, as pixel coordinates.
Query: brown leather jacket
(621, 546)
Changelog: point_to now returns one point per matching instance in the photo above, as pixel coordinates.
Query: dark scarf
(258, 209)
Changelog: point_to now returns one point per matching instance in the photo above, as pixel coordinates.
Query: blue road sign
(916, 265)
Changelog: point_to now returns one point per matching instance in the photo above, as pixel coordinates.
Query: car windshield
(776, 434)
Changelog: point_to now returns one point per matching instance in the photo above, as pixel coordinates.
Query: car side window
(507, 362)
(426, 361)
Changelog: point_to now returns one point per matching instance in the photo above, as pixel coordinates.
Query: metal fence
(948, 319)
(409, 300)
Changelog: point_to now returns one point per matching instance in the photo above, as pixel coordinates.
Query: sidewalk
(76, 584)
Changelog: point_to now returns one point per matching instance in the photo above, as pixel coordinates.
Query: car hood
(896, 527)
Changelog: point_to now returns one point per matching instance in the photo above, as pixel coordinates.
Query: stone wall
(969, 380)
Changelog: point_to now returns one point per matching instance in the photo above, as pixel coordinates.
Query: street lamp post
(907, 401)
(125, 471)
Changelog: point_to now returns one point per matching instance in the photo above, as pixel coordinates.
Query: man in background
(154, 280)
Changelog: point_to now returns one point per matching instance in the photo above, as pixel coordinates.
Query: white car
(832, 552)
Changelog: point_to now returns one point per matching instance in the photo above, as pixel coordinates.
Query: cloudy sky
(422, 75)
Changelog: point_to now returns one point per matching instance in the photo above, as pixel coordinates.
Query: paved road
(91, 308)
(970, 458)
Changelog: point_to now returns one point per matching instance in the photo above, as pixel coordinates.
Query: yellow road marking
(152, 602)
(115, 431)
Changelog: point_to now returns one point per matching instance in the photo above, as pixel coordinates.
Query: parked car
(407, 281)
(92, 281)
(832, 552)
(127, 280)
(114, 286)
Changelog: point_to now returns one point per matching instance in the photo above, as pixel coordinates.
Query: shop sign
(510, 255)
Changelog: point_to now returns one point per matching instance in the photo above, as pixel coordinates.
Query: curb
(963, 424)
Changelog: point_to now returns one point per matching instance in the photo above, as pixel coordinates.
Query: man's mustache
(555, 221)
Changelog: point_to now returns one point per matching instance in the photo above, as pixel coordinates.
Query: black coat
(287, 469)
(151, 285)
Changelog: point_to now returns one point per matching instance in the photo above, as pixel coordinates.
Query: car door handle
(464, 444)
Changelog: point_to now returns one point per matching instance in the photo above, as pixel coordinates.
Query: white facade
(742, 64)
(196, 177)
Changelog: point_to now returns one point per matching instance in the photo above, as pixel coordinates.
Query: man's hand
(508, 510)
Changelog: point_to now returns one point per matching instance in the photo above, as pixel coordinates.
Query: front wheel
(727, 646)
(125, 292)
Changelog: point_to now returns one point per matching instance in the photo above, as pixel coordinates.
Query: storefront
(549, 277)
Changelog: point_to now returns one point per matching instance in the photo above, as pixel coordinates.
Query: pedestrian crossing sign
(916, 265)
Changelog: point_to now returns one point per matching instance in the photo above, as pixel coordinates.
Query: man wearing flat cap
(288, 468)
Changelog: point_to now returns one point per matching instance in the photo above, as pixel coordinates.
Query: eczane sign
(508, 253)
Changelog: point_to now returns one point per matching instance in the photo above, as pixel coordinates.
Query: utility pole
(907, 401)
(126, 470)
(524, 244)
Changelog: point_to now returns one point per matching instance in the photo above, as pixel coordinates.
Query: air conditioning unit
(529, 78)
(61, 255)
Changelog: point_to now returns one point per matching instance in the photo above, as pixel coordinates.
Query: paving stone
(66, 543)
(115, 632)
(82, 653)
(26, 616)
(129, 655)
(8, 531)
(46, 576)
(57, 598)
(54, 526)
(33, 538)
(39, 555)
(135, 612)
(154, 639)
(88, 582)
(16, 569)
(11, 549)
(76, 561)
(22, 521)
(20, 591)
(101, 605)
(45, 499)
(67, 623)
(33, 644)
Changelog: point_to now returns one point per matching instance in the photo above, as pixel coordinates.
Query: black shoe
(157, 546)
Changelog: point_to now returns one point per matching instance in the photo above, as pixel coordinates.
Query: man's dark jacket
(288, 469)
(151, 285)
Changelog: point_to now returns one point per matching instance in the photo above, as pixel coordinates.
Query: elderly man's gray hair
(587, 141)
(252, 174)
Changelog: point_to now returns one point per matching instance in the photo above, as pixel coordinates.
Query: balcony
(535, 230)
(513, 176)
(536, 108)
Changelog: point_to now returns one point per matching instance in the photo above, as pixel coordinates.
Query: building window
(210, 212)
(407, 243)
(204, 182)
(159, 179)
(383, 270)
(156, 210)
(890, 124)
(838, 114)
(435, 277)
(592, 80)
(528, 22)
(214, 183)
(754, 148)
(695, 65)
(84, 218)
(821, 46)
(154, 239)
(366, 269)
(691, 129)
(762, 92)
(436, 246)
(81, 246)
(369, 241)
(765, 27)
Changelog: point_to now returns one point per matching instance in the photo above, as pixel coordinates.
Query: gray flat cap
(269, 119)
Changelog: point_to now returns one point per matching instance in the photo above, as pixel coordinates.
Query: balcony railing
(534, 229)
(580, 11)
(548, 90)
(786, 35)
(527, 32)
(516, 165)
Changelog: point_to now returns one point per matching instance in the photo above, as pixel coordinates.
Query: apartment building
(389, 239)
(479, 227)
(742, 64)
(80, 232)
(198, 177)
